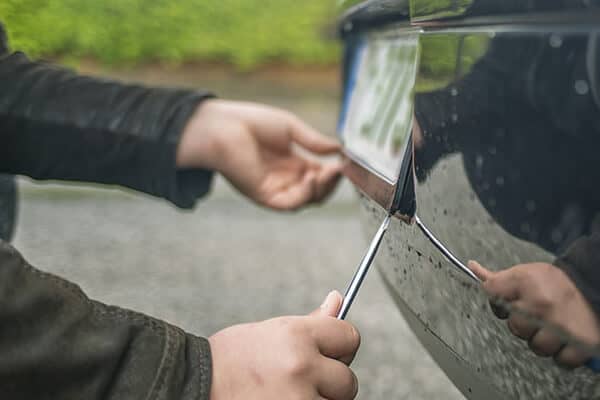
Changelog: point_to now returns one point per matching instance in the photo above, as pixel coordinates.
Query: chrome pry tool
(363, 268)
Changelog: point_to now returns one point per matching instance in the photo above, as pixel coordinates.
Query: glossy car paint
(506, 171)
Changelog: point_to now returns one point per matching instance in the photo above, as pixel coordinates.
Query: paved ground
(227, 262)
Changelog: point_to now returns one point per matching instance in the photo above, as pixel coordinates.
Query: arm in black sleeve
(581, 262)
(55, 343)
(466, 110)
(55, 124)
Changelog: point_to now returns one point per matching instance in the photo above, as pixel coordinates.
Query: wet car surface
(499, 161)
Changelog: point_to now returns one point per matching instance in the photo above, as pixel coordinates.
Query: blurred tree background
(244, 33)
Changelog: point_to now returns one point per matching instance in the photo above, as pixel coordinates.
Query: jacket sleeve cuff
(580, 263)
(200, 362)
(182, 187)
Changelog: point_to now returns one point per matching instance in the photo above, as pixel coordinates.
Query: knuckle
(520, 327)
(569, 358)
(291, 119)
(492, 285)
(548, 269)
(297, 365)
(513, 329)
(543, 302)
(292, 327)
(544, 345)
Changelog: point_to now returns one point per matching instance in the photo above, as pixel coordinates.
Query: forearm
(55, 124)
(58, 344)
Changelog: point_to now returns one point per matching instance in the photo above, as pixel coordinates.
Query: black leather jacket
(55, 343)
(8, 192)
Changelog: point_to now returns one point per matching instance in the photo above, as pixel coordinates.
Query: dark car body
(482, 117)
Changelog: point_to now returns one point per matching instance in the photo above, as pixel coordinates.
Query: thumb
(330, 306)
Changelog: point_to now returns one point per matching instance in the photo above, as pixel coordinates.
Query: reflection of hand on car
(252, 146)
(304, 357)
(545, 292)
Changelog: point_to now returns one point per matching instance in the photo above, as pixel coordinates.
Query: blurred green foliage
(245, 33)
(446, 58)
(439, 8)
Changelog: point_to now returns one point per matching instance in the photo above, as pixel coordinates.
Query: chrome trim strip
(447, 253)
(371, 184)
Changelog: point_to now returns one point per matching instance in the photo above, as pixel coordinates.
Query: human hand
(545, 292)
(299, 358)
(255, 147)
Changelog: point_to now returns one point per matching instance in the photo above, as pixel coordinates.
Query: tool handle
(362, 270)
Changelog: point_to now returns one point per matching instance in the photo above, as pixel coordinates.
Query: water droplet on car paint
(555, 40)
(493, 150)
(348, 26)
(454, 117)
(500, 181)
(479, 161)
(530, 205)
(556, 236)
(525, 228)
(582, 87)
(453, 91)
(492, 202)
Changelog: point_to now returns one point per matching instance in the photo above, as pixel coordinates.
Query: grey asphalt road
(226, 262)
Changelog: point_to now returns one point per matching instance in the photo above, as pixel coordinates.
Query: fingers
(540, 291)
(334, 338)
(570, 357)
(295, 195)
(330, 306)
(336, 381)
(310, 139)
(314, 185)
(326, 181)
(545, 343)
(521, 326)
(504, 285)
(482, 273)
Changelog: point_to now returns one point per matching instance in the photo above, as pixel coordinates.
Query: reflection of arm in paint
(494, 86)
(581, 262)
(544, 292)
